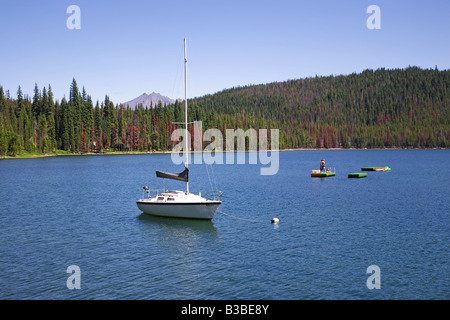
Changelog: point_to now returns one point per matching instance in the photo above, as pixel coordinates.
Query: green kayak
(376, 168)
(357, 175)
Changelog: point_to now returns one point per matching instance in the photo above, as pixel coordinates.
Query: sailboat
(179, 204)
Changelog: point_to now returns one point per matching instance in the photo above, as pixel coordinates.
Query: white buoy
(275, 220)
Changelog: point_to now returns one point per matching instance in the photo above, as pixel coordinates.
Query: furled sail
(182, 176)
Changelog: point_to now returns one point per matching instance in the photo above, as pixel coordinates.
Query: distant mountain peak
(148, 100)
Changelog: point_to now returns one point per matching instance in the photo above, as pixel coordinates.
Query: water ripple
(83, 213)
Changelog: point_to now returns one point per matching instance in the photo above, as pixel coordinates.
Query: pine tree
(51, 132)
(45, 104)
(20, 102)
(83, 139)
(51, 102)
(75, 104)
(36, 106)
(43, 144)
(65, 126)
(109, 119)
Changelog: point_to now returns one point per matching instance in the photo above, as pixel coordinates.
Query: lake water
(62, 211)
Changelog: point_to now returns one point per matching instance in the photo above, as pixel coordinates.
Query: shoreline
(68, 154)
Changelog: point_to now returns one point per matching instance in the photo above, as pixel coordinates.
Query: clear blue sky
(125, 48)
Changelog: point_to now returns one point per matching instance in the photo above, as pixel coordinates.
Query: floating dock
(386, 168)
(357, 175)
(318, 174)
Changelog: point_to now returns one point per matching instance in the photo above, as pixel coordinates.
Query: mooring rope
(229, 215)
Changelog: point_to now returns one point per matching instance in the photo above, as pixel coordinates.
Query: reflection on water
(178, 225)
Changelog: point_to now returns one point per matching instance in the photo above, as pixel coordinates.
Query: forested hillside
(383, 108)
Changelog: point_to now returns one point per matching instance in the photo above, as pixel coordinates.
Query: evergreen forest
(396, 108)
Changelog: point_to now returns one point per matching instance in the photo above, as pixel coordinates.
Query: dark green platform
(386, 168)
(322, 174)
(357, 175)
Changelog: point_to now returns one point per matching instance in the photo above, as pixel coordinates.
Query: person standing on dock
(322, 165)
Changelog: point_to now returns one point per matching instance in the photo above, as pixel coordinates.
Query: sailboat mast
(186, 148)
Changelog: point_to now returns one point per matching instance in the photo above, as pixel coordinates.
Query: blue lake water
(62, 211)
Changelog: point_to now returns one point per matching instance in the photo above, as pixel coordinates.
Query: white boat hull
(188, 210)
